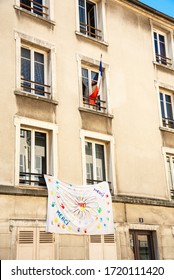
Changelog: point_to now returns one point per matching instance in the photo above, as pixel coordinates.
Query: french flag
(93, 96)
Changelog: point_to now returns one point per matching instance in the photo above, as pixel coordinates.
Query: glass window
(95, 162)
(33, 72)
(161, 49)
(170, 173)
(142, 245)
(88, 19)
(33, 157)
(89, 83)
(166, 103)
(35, 6)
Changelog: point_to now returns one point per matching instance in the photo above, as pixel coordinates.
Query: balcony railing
(168, 122)
(163, 60)
(172, 193)
(90, 31)
(35, 87)
(91, 182)
(35, 8)
(99, 105)
(32, 179)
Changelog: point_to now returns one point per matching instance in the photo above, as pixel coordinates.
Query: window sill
(162, 128)
(37, 17)
(36, 97)
(90, 111)
(170, 68)
(91, 39)
(24, 191)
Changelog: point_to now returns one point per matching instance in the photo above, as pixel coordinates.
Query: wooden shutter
(102, 247)
(46, 245)
(26, 240)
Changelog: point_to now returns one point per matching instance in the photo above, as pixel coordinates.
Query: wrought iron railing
(172, 193)
(92, 181)
(35, 7)
(99, 105)
(167, 122)
(90, 31)
(35, 87)
(32, 179)
(163, 60)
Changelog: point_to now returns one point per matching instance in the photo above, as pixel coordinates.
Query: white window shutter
(26, 239)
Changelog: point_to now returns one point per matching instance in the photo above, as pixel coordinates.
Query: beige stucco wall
(134, 119)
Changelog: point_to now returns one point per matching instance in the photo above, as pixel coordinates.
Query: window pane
(82, 16)
(26, 4)
(25, 69)
(89, 162)
(144, 247)
(100, 162)
(40, 153)
(39, 72)
(91, 18)
(169, 107)
(25, 155)
(162, 105)
(169, 172)
(85, 82)
(37, 9)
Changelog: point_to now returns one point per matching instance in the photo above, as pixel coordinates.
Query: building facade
(50, 53)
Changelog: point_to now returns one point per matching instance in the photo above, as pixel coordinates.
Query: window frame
(50, 63)
(101, 101)
(100, 22)
(83, 61)
(135, 246)
(51, 149)
(109, 155)
(94, 160)
(33, 83)
(166, 122)
(168, 35)
(44, 13)
(32, 176)
(168, 152)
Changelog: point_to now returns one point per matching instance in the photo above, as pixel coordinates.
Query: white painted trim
(31, 123)
(42, 46)
(93, 64)
(96, 136)
(165, 151)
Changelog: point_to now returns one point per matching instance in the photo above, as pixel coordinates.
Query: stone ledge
(19, 191)
(142, 201)
(11, 190)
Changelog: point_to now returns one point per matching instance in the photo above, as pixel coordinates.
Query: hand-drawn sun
(85, 207)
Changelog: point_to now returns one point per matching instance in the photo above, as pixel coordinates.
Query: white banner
(85, 209)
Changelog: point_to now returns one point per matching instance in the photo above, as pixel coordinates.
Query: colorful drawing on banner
(74, 209)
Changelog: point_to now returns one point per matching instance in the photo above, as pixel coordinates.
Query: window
(170, 173)
(95, 162)
(88, 20)
(34, 71)
(166, 104)
(33, 157)
(89, 83)
(160, 46)
(36, 151)
(36, 7)
(142, 245)
(98, 158)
